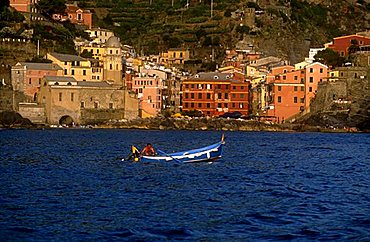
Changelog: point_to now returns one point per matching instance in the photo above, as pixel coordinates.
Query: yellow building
(333, 76)
(176, 56)
(85, 102)
(109, 56)
(77, 67)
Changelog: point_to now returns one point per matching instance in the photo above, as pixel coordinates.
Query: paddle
(160, 151)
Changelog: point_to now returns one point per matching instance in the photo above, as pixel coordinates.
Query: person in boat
(148, 150)
(135, 154)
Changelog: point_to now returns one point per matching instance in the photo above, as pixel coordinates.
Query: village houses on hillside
(109, 81)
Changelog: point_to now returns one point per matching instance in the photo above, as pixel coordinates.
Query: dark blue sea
(71, 185)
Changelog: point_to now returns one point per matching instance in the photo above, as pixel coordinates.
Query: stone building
(85, 102)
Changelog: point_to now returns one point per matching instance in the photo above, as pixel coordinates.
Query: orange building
(286, 92)
(342, 44)
(290, 91)
(25, 6)
(215, 93)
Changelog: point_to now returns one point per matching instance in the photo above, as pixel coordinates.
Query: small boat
(205, 154)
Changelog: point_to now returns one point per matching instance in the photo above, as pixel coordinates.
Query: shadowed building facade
(85, 102)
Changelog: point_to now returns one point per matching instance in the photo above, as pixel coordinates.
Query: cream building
(99, 36)
(85, 102)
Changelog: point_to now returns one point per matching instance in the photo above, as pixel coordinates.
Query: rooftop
(41, 66)
(65, 57)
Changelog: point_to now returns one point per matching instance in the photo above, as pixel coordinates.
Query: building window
(116, 66)
(60, 97)
(242, 87)
(65, 72)
(311, 79)
(39, 81)
(295, 99)
(73, 72)
(295, 89)
(110, 66)
(186, 95)
(186, 86)
(84, 72)
(302, 88)
(110, 105)
(199, 105)
(241, 96)
(321, 70)
(226, 96)
(192, 86)
(226, 105)
(200, 96)
(295, 78)
(186, 105)
(279, 99)
(233, 95)
(311, 70)
(30, 81)
(96, 104)
(310, 89)
(284, 77)
(72, 96)
(192, 95)
(192, 105)
(279, 88)
(219, 105)
(208, 95)
(208, 105)
(219, 95)
(302, 100)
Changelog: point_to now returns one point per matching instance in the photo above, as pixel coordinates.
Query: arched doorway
(66, 120)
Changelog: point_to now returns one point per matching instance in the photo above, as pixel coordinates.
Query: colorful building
(176, 56)
(149, 93)
(343, 43)
(75, 15)
(27, 7)
(26, 77)
(75, 66)
(215, 93)
(290, 91)
(109, 55)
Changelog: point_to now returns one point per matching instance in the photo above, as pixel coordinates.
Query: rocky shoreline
(217, 124)
(169, 123)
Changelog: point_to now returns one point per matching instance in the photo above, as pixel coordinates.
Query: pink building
(26, 77)
(149, 92)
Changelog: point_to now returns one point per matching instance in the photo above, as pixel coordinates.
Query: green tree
(50, 7)
(329, 57)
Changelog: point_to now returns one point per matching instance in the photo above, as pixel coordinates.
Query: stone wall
(97, 116)
(32, 111)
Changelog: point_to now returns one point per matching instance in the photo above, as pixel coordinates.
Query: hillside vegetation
(283, 28)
